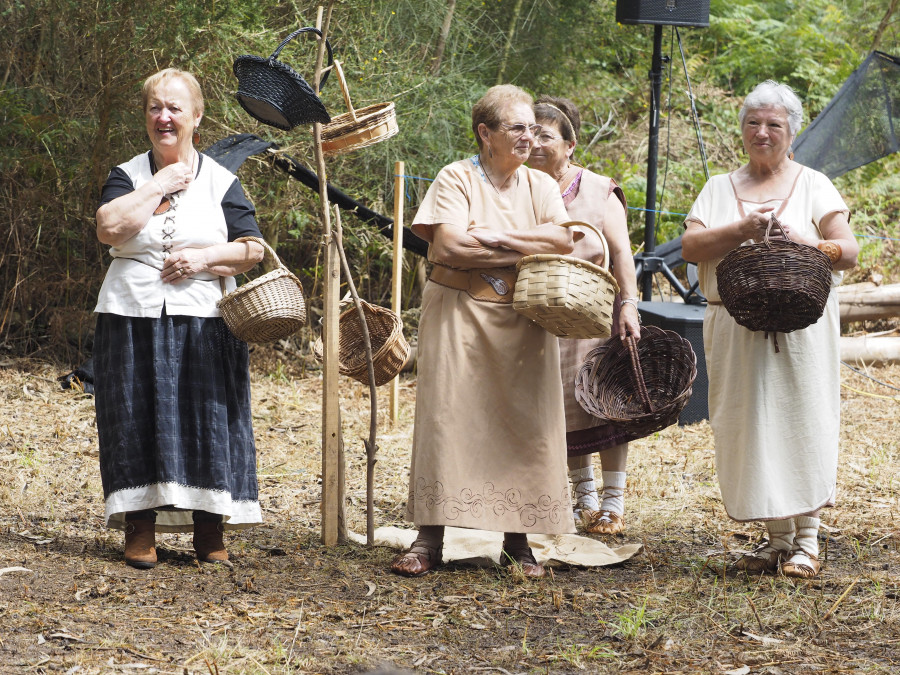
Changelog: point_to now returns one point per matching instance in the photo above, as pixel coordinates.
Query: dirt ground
(288, 605)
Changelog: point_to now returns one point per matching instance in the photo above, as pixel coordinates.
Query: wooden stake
(397, 273)
(333, 526)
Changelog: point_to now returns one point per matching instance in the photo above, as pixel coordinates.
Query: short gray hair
(771, 93)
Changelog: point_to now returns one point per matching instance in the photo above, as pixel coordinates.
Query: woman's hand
(754, 224)
(183, 264)
(628, 322)
(485, 236)
(174, 177)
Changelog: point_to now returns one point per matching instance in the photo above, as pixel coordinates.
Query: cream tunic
(489, 417)
(775, 416)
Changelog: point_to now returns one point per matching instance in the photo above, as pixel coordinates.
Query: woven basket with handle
(567, 296)
(390, 350)
(274, 93)
(776, 285)
(269, 308)
(638, 385)
(357, 128)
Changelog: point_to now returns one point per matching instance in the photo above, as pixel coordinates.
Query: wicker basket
(273, 93)
(357, 128)
(390, 350)
(638, 385)
(269, 308)
(567, 296)
(777, 285)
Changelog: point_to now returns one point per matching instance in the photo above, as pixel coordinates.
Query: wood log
(870, 351)
(866, 301)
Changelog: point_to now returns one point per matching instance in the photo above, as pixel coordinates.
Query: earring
(196, 137)
(490, 152)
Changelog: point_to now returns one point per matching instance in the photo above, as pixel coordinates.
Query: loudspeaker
(664, 12)
(687, 321)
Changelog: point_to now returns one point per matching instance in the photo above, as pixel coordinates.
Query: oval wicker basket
(390, 350)
(269, 308)
(567, 296)
(776, 285)
(357, 128)
(274, 93)
(638, 385)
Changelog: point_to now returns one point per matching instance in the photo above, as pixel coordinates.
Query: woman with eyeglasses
(489, 417)
(598, 200)
(172, 384)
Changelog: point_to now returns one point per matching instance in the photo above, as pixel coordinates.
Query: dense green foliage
(69, 111)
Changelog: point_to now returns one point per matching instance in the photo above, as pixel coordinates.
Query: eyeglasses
(517, 130)
(545, 137)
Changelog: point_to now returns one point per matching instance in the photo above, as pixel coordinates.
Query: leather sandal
(524, 560)
(417, 561)
(603, 522)
(801, 565)
(764, 558)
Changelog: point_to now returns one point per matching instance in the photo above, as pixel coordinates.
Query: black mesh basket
(275, 94)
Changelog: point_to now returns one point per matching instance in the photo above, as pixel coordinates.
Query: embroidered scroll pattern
(487, 503)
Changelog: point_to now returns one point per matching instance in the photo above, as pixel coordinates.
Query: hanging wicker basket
(390, 350)
(357, 128)
(269, 308)
(776, 285)
(274, 93)
(640, 386)
(567, 296)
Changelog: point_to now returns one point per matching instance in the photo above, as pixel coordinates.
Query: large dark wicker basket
(638, 385)
(776, 285)
(275, 94)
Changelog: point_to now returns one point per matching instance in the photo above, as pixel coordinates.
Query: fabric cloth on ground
(489, 421)
(775, 416)
(482, 548)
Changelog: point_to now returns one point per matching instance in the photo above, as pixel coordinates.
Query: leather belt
(491, 284)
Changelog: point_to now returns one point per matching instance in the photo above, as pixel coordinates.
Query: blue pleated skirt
(173, 417)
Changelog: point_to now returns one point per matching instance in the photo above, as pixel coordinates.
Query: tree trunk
(870, 351)
(442, 40)
(866, 301)
(513, 22)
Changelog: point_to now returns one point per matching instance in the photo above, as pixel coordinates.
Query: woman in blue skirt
(172, 383)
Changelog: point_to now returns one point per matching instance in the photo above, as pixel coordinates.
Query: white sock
(613, 492)
(585, 489)
(781, 534)
(807, 536)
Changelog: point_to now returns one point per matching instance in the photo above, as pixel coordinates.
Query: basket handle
(308, 29)
(579, 223)
(263, 243)
(344, 90)
(631, 344)
(773, 221)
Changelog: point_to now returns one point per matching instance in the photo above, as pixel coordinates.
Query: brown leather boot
(140, 544)
(208, 543)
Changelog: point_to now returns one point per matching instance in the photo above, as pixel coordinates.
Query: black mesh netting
(858, 124)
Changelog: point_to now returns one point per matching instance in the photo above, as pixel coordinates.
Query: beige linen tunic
(489, 420)
(775, 416)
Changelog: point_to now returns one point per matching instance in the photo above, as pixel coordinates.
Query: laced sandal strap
(576, 487)
(610, 492)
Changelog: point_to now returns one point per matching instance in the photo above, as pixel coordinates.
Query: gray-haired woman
(775, 416)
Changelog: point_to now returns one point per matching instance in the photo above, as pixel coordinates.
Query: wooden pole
(333, 527)
(397, 273)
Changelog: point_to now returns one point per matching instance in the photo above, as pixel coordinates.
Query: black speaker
(664, 12)
(687, 321)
